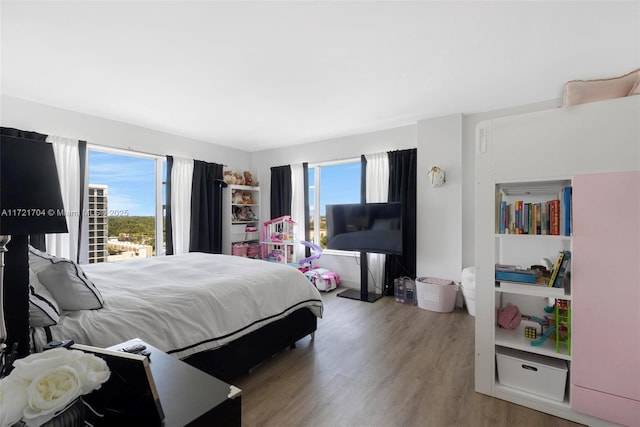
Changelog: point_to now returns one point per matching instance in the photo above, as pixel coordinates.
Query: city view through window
(328, 185)
(122, 206)
(122, 202)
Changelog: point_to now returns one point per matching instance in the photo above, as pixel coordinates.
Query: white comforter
(185, 304)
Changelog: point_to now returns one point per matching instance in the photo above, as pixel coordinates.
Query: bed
(220, 313)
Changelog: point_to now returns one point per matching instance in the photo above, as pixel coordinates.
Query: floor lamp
(30, 203)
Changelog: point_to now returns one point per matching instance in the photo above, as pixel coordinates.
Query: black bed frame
(239, 356)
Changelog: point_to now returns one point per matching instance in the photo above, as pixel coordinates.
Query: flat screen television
(365, 227)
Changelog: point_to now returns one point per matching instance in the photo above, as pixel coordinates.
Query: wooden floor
(380, 364)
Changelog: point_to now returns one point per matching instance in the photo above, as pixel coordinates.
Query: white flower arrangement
(42, 385)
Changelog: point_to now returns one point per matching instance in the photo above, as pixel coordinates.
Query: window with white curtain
(125, 205)
(331, 183)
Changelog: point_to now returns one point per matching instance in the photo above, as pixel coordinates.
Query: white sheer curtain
(67, 158)
(181, 180)
(297, 207)
(377, 179)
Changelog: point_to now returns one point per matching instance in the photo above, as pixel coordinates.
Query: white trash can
(436, 294)
(468, 280)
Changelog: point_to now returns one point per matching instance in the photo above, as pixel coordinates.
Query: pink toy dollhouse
(277, 239)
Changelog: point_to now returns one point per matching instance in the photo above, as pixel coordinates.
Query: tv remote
(135, 348)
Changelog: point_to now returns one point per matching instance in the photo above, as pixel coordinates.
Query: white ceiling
(257, 75)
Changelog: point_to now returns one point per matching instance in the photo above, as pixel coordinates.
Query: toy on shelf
(235, 178)
(563, 325)
(556, 325)
(530, 332)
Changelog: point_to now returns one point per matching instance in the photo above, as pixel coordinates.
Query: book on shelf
(511, 274)
(562, 270)
(556, 269)
(566, 196)
(503, 217)
(554, 217)
(544, 218)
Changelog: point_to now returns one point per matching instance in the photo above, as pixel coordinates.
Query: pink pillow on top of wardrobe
(583, 91)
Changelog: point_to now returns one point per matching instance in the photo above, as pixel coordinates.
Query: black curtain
(82, 152)
(403, 173)
(307, 220)
(280, 191)
(206, 208)
(167, 209)
(363, 179)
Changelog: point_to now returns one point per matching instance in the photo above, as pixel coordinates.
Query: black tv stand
(363, 294)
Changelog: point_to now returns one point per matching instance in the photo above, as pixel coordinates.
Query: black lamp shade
(30, 199)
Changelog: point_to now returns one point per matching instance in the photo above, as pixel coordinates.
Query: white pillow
(43, 308)
(66, 281)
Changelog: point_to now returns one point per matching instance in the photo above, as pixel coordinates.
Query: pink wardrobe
(595, 149)
(606, 271)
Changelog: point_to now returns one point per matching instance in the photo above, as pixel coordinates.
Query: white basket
(436, 294)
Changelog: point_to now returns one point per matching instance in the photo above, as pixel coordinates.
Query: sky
(131, 182)
(338, 184)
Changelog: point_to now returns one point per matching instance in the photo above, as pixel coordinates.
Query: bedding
(66, 281)
(185, 304)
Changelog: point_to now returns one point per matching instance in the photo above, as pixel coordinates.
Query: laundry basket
(436, 294)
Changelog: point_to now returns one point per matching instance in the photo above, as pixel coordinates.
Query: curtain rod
(128, 150)
(123, 150)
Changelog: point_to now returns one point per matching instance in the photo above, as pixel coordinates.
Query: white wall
(31, 116)
(439, 227)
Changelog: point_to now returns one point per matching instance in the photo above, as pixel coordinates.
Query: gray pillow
(66, 281)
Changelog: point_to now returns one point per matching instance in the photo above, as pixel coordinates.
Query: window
(330, 183)
(125, 205)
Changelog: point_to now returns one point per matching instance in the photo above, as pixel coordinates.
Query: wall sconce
(436, 176)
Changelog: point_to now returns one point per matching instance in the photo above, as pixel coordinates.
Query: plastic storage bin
(468, 280)
(436, 294)
(404, 290)
(533, 373)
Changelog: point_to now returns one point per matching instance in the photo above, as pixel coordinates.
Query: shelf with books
(532, 236)
(534, 290)
(534, 208)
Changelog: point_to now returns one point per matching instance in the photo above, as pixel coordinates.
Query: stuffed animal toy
(227, 176)
(237, 197)
(250, 215)
(239, 178)
(509, 316)
(248, 179)
(246, 199)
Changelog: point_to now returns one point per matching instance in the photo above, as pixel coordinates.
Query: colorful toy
(530, 332)
(323, 279)
(563, 325)
(306, 264)
(558, 325)
(543, 338)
